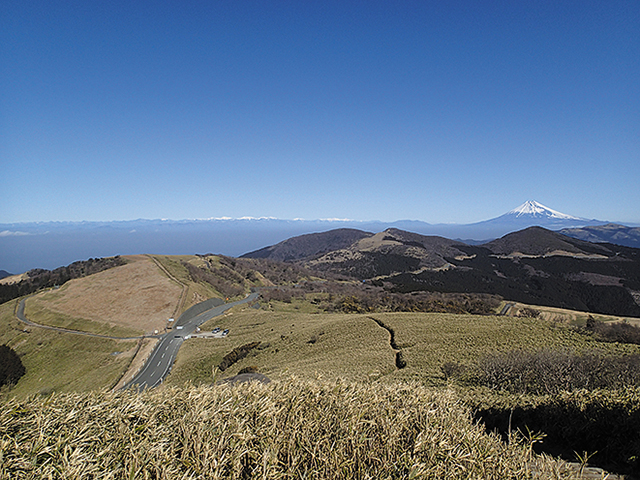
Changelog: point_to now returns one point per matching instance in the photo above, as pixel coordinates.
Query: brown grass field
(137, 295)
(354, 347)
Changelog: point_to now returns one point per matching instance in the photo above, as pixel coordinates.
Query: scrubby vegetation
(236, 354)
(549, 371)
(350, 297)
(11, 367)
(234, 276)
(614, 332)
(286, 429)
(39, 278)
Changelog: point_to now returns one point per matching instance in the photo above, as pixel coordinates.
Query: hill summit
(534, 265)
(534, 209)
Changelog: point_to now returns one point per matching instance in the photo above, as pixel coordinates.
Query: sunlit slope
(138, 295)
(62, 362)
(125, 301)
(355, 347)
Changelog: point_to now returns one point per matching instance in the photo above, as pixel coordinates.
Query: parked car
(215, 330)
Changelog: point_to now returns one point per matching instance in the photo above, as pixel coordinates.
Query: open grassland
(138, 296)
(36, 311)
(64, 362)
(355, 346)
(287, 429)
(429, 340)
(188, 428)
(331, 346)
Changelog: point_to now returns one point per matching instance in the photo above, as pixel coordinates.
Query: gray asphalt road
(506, 308)
(161, 359)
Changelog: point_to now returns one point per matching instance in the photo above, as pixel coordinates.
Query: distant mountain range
(609, 233)
(24, 246)
(534, 265)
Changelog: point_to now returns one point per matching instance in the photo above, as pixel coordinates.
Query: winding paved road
(161, 359)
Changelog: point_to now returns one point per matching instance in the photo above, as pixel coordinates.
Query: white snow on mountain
(535, 209)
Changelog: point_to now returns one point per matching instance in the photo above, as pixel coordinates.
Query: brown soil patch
(137, 295)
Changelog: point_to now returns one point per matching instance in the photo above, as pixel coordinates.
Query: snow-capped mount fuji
(529, 214)
(533, 209)
(51, 244)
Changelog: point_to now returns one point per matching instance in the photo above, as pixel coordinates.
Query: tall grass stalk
(282, 430)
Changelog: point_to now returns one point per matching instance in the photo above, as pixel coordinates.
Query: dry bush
(529, 312)
(553, 371)
(236, 355)
(283, 430)
(621, 332)
(223, 279)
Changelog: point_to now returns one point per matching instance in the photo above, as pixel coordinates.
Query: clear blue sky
(442, 111)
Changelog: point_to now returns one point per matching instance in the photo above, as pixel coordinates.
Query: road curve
(164, 354)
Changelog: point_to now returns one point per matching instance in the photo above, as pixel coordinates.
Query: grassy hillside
(355, 347)
(290, 429)
(63, 362)
(334, 360)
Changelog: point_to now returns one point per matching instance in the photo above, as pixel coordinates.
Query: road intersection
(164, 354)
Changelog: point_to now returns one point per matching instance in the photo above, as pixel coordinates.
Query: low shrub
(621, 332)
(236, 355)
(553, 371)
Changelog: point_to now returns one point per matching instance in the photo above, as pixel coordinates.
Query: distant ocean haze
(49, 245)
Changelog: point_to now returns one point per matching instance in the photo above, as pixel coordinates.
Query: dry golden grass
(332, 346)
(137, 295)
(355, 348)
(284, 430)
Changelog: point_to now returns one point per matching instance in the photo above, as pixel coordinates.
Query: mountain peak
(534, 209)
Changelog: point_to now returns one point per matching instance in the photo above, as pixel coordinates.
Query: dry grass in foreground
(287, 429)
